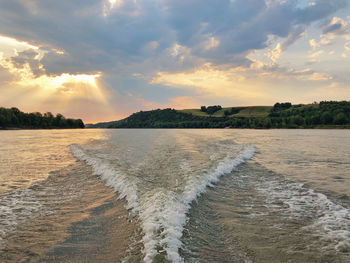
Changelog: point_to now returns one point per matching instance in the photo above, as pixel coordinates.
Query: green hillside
(250, 111)
(326, 114)
(254, 111)
(198, 112)
(101, 124)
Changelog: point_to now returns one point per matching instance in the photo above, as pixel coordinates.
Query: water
(175, 196)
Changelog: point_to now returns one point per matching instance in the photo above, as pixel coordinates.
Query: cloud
(25, 84)
(160, 40)
(275, 53)
(294, 36)
(133, 31)
(332, 91)
(208, 81)
(30, 58)
(335, 30)
(313, 44)
(336, 26)
(184, 102)
(316, 54)
(254, 83)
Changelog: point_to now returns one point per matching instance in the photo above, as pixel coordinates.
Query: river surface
(228, 195)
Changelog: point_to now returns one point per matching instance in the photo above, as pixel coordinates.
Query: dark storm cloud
(142, 33)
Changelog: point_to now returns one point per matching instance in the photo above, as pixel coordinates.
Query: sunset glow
(125, 56)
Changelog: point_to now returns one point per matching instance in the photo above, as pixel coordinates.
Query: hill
(107, 124)
(167, 118)
(326, 114)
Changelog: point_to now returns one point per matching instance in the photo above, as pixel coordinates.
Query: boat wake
(162, 207)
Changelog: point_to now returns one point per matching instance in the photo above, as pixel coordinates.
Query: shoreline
(19, 129)
(227, 128)
(243, 128)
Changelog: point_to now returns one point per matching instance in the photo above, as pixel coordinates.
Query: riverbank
(325, 115)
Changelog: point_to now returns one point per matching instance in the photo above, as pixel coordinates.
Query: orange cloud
(211, 81)
(43, 92)
(183, 102)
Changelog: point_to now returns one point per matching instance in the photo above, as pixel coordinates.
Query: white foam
(162, 212)
(111, 177)
(330, 221)
(17, 208)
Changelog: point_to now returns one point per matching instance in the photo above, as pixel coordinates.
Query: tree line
(323, 114)
(282, 115)
(14, 118)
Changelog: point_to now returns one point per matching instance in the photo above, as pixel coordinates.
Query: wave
(330, 221)
(16, 208)
(162, 212)
(111, 177)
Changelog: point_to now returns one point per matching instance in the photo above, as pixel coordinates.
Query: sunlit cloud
(324, 41)
(13, 45)
(333, 91)
(20, 59)
(115, 3)
(211, 43)
(337, 26)
(24, 75)
(275, 53)
(211, 81)
(184, 102)
(109, 58)
(316, 54)
(253, 83)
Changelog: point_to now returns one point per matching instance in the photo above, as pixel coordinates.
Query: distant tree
(213, 109)
(57, 120)
(203, 108)
(340, 118)
(281, 106)
(315, 119)
(267, 123)
(48, 115)
(79, 123)
(298, 120)
(326, 118)
(15, 110)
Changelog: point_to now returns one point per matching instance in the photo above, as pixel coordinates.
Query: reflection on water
(27, 156)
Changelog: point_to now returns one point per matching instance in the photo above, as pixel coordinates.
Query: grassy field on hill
(250, 111)
(254, 112)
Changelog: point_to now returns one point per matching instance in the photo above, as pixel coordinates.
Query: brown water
(286, 199)
(79, 216)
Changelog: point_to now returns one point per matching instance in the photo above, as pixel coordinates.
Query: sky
(101, 60)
